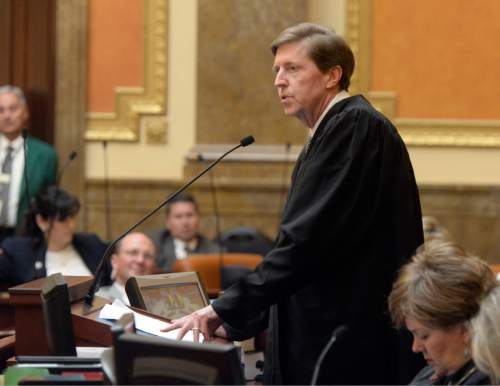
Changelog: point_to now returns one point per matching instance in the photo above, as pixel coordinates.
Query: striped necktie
(5, 185)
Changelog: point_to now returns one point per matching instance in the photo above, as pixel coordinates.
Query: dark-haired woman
(49, 243)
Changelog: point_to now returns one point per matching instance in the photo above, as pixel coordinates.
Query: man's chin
(290, 112)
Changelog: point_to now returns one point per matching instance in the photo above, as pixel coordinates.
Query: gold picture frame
(415, 132)
(133, 102)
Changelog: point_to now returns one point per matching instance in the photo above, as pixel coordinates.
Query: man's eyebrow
(285, 64)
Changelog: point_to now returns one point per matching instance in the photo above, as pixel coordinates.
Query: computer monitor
(57, 316)
(170, 295)
(147, 360)
(126, 324)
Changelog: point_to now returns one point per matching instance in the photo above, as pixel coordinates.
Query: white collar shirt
(340, 96)
(16, 175)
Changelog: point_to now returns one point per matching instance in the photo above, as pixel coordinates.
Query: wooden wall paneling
(39, 59)
(71, 91)
(249, 204)
(471, 214)
(5, 40)
(28, 40)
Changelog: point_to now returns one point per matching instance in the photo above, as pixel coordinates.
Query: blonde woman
(486, 335)
(434, 297)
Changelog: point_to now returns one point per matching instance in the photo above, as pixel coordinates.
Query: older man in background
(41, 158)
(134, 255)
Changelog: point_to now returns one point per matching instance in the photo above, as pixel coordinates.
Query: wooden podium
(28, 315)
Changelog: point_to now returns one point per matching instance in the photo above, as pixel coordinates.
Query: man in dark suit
(41, 161)
(181, 236)
(352, 218)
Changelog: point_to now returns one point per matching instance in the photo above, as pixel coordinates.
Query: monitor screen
(170, 295)
(172, 301)
(148, 360)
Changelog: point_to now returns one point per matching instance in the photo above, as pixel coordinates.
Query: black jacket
(351, 220)
(18, 256)
(166, 251)
(467, 375)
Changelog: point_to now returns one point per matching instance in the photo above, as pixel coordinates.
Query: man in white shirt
(41, 160)
(134, 256)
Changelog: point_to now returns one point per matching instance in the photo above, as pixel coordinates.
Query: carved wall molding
(415, 132)
(470, 213)
(133, 103)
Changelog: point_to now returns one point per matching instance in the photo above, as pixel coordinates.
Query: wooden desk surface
(6, 312)
(29, 322)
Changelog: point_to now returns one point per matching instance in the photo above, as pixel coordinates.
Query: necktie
(5, 185)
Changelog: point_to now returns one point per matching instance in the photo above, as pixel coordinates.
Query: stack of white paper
(142, 322)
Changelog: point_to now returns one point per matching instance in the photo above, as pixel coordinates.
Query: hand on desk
(204, 320)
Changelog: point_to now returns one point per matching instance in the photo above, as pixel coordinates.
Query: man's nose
(279, 80)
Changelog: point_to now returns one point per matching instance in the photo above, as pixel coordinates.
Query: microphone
(288, 146)
(24, 134)
(216, 215)
(71, 157)
(89, 298)
(337, 333)
(106, 190)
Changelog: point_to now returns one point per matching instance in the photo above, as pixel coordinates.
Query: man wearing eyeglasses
(134, 256)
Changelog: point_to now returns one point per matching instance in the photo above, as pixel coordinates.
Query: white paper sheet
(142, 322)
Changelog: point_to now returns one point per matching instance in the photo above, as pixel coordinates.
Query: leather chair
(209, 266)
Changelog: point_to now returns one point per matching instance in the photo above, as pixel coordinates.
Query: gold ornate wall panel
(136, 104)
(358, 34)
(236, 95)
(415, 131)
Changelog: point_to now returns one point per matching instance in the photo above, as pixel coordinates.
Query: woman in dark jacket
(49, 243)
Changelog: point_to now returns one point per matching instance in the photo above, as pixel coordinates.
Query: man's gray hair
(8, 89)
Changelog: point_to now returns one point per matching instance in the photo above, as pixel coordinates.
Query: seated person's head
(435, 296)
(486, 335)
(182, 218)
(434, 230)
(134, 255)
(51, 217)
(13, 111)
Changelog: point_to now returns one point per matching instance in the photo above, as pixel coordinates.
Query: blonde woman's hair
(486, 335)
(440, 287)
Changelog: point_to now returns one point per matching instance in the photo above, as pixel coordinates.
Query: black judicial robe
(351, 220)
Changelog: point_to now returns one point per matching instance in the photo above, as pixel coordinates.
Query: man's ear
(334, 76)
(114, 266)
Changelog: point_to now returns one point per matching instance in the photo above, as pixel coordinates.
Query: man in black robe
(352, 218)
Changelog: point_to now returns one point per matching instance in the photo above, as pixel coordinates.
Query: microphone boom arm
(89, 298)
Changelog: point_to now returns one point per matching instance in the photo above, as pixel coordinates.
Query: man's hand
(205, 320)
